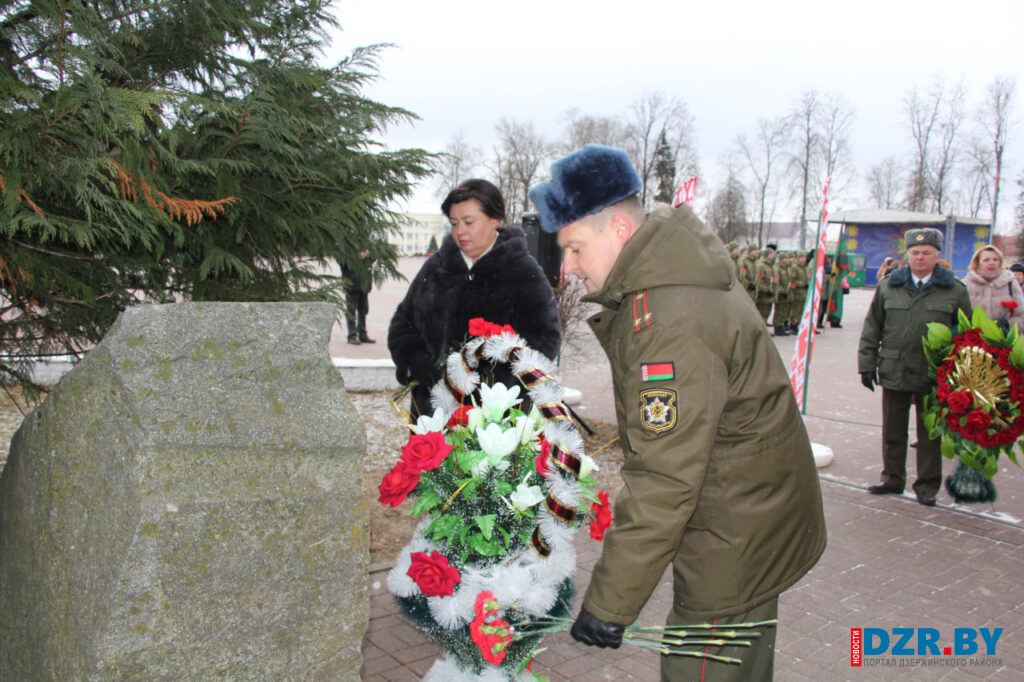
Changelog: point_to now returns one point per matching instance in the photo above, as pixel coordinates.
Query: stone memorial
(188, 504)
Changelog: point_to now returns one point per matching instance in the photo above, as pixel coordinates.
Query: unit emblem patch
(658, 409)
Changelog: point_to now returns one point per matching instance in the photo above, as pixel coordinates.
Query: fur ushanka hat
(584, 183)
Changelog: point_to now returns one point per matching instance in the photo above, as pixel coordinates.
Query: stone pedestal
(188, 504)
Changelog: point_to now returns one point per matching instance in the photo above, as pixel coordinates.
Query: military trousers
(895, 420)
(764, 305)
(757, 661)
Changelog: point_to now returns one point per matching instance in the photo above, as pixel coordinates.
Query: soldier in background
(766, 281)
(748, 271)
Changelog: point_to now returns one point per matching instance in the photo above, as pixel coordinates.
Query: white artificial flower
(425, 424)
(497, 443)
(526, 496)
(475, 419)
(497, 399)
(528, 426)
(587, 464)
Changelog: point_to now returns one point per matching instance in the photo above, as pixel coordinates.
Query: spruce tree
(164, 151)
(664, 170)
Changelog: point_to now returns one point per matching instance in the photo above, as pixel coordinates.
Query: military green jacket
(719, 479)
(891, 340)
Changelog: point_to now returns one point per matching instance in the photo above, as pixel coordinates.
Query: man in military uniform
(891, 355)
(800, 277)
(748, 271)
(734, 252)
(719, 477)
(783, 300)
(767, 282)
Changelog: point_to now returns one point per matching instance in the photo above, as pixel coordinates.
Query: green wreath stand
(969, 485)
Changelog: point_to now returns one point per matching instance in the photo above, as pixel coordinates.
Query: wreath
(976, 404)
(501, 492)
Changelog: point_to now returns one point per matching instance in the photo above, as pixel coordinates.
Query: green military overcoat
(891, 340)
(719, 479)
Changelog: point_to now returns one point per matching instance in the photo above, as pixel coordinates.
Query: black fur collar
(941, 277)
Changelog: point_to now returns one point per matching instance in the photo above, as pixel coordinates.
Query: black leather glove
(593, 631)
(869, 380)
(751, 287)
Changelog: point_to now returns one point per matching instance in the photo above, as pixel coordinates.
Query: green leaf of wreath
(427, 500)
(443, 526)
(939, 335)
(490, 547)
(1017, 354)
(486, 524)
(469, 459)
(990, 468)
(948, 449)
(963, 323)
(989, 329)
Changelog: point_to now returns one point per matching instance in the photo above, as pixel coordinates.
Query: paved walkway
(890, 562)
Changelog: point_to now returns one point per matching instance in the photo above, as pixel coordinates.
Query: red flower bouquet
(979, 391)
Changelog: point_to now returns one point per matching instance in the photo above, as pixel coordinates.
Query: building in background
(877, 233)
(416, 231)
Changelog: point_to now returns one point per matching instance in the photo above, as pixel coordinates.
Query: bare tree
(763, 155)
(946, 153)
(922, 115)
(583, 130)
(518, 157)
(994, 118)
(455, 164)
(727, 214)
(650, 117)
(835, 122)
(884, 182)
(803, 154)
(974, 189)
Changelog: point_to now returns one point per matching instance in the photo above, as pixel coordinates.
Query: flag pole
(799, 369)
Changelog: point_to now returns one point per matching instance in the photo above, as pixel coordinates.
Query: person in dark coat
(891, 355)
(483, 269)
(358, 282)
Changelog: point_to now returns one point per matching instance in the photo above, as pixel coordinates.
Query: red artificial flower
(478, 326)
(953, 423)
(941, 374)
(978, 420)
(492, 638)
(485, 603)
(959, 402)
(397, 484)
(971, 337)
(460, 417)
(1009, 305)
(942, 392)
(541, 463)
(602, 512)
(425, 452)
(433, 574)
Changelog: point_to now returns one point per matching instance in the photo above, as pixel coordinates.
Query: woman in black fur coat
(481, 270)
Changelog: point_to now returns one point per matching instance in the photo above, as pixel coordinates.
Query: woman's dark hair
(485, 192)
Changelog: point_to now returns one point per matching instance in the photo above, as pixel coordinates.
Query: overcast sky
(462, 66)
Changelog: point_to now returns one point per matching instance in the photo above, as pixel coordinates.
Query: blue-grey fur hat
(924, 236)
(584, 183)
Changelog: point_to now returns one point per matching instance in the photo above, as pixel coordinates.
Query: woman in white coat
(995, 289)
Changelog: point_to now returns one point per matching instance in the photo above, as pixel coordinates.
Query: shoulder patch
(658, 409)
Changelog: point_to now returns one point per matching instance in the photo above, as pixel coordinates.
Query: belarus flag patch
(657, 371)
